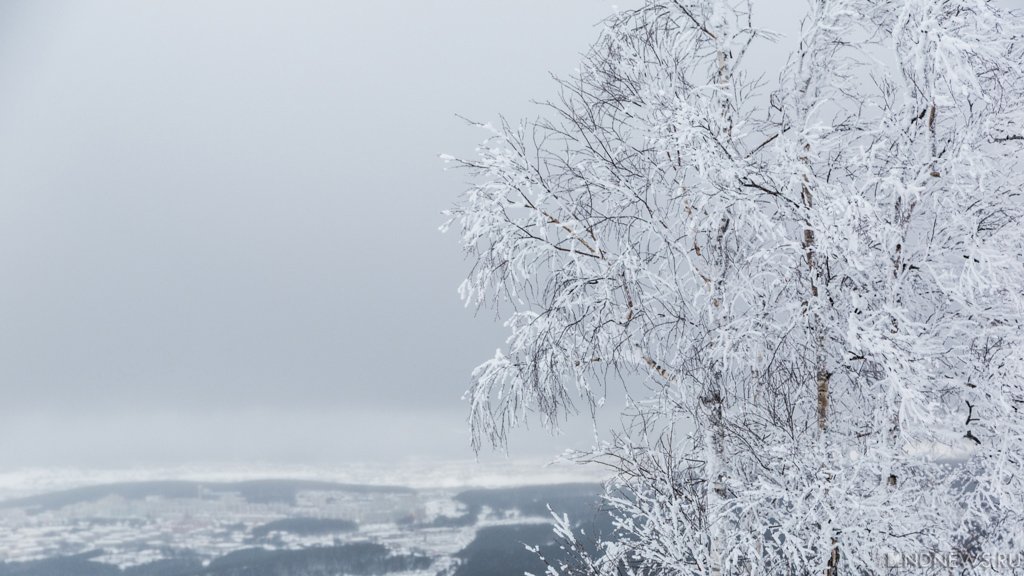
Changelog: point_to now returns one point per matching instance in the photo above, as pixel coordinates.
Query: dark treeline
(255, 491)
(357, 559)
(305, 526)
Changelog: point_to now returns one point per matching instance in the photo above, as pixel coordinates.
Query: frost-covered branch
(818, 283)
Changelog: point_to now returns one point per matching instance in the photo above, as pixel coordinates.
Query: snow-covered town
(135, 524)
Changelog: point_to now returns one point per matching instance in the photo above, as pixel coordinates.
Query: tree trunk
(715, 442)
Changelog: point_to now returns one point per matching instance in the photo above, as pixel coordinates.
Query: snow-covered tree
(811, 285)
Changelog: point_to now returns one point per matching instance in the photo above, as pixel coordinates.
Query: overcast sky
(218, 222)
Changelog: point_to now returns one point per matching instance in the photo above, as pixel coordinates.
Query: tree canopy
(815, 275)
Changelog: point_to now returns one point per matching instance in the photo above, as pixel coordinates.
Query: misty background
(219, 223)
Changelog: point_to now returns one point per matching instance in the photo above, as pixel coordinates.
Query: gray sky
(218, 222)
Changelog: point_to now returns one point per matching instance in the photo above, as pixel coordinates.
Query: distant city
(295, 526)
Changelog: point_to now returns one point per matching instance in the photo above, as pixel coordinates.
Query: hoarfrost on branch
(815, 275)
